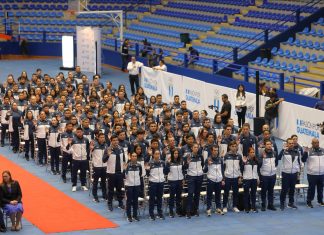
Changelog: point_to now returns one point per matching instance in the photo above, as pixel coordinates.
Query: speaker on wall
(265, 53)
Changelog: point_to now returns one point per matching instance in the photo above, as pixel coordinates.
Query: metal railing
(320, 84)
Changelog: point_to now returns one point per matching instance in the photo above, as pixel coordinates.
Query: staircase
(315, 72)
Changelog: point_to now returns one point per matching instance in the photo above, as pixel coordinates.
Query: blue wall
(113, 58)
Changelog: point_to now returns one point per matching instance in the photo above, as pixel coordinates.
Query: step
(216, 27)
(202, 36)
(182, 50)
(320, 64)
(316, 70)
(192, 11)
(312, 76)
(290, 87)
(196, 42)
(210, 33)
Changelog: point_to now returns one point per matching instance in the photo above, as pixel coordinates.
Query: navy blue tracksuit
(290, 168)
(133, 175)
(268, 162)
(194, 168)
(175, 177)
(232, 172)
(156, 184)
(215, 175)
(249, 171)
(315, 173)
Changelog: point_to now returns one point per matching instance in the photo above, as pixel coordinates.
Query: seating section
(154, 30)
(177, 24)
(259, 25)
(299, 57)
(272, 16)
(288, 6)
(240, 33)
(197, 19)
(36, 17)
(205, 8)
(215, 26)
(185, 15)
(124, 5)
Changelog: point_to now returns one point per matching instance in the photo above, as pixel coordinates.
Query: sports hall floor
(294, 222)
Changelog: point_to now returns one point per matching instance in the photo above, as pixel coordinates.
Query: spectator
(226, 109)
(320, 104)
(124, 54)
(263, 89)
(23, 46)
(271, 110)
(147, 47)
(133, 69)
(10, 194)
(161, 66)
(240, 105)
(193, 57)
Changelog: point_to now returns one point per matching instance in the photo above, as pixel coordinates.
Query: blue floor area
(302, 221)
(293, 222)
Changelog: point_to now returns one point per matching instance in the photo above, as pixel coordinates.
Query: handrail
(306, 84)
(136, 5)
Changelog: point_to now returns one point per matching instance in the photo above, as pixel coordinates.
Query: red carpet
(49, 209)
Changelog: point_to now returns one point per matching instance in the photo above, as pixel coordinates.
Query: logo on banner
(216, 98)
(150, 84)
(170, 87)
(193, 96)
(250, 112)
(308, 128)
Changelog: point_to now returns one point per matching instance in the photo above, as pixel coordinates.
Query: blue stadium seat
(274, 50)
(293, 54)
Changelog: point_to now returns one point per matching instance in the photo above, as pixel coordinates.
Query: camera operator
(226, 109)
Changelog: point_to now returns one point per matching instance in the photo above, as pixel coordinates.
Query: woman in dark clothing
(10, 194)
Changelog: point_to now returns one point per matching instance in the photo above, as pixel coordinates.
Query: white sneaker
(236, 210)
(224, 210)
(74, 188)
(209, 212)
(84, 188)
(219, 211)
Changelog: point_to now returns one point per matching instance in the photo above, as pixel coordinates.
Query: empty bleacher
(300, 57)
(215, 27)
